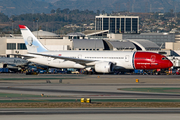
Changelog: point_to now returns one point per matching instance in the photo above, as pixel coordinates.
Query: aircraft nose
(170, 64)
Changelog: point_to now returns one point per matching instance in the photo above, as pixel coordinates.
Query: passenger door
(127, 58)
(79, 56)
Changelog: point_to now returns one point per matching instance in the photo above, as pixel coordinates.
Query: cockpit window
(164, 58)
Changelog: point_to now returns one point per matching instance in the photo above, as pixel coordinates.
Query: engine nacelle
(104, 67)
(2, 65)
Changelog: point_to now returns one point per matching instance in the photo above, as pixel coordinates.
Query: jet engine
(2, 65)
(104, 67)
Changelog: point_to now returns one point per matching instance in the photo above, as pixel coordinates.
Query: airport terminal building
(117, 24)
(159, 38)
(14, 44)
(127, 27)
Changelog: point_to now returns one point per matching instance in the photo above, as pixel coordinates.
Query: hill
(16, 7)
(120, 5)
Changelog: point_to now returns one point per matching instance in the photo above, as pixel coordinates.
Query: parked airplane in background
(12, 63)
(100, 61)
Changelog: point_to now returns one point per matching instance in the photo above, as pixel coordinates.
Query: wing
(26, 57)
(77, 60)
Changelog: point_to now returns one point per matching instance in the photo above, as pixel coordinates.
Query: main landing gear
(88, 72)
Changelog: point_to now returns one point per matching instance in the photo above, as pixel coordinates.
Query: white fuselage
(123, 60)
(100, 61)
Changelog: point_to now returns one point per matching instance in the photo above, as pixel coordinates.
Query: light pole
(83, 24)
(33, 25)
(37, 26)
(12, 27)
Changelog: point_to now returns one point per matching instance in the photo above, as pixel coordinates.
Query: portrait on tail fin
(30, 45)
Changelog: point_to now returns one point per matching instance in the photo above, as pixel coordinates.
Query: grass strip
(92, 105)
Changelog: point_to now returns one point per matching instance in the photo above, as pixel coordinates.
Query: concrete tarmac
(90, 114)
(93, 117)
(77, 86)
(93, 86)
(90, 79)
(49, 111)
(88, 92)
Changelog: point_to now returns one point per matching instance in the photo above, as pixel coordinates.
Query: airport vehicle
(75, 72)
(138, 71)
(178, 71)
(100, 61)
(4, 70)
